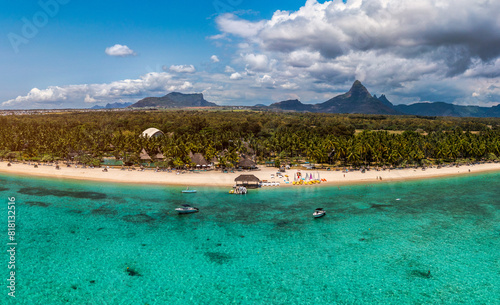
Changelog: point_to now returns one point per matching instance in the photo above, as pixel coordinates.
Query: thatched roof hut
(198, 159)
(144, 155)
(159, 156)
(247, 181)
(250, 150)
(246, 163)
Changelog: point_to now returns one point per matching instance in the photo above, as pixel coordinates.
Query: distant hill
(112, 106)
(174, 100)
(356, 100)
(292, 105)
(445, 109)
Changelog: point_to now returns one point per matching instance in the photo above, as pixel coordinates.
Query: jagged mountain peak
(356, 100)
(358, 91)
(384, 100)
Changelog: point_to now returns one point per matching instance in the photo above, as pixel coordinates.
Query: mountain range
(445, 109)
(112, 106)
(357, 100)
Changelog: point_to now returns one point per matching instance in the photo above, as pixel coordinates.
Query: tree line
(225, 136)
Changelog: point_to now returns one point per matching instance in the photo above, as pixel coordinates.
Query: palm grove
(224, 136)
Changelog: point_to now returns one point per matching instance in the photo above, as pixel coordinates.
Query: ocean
(431, 241)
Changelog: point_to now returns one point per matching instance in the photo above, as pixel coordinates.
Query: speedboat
(319, 212)
(187, 190)
(187, 209)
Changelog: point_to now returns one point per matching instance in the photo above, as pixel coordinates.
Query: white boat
(240, 190)
(319, 212)
(187, 190)
(187, 209)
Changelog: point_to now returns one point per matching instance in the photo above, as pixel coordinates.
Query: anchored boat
(187, 209)
(187, 190)
(319, 212)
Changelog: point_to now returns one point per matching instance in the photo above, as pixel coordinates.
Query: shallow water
(376, 245)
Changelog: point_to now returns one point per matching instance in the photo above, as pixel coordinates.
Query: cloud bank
(84, 96)
(412, 51)
(394, 46)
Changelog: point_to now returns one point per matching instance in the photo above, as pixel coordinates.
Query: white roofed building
(152, 132)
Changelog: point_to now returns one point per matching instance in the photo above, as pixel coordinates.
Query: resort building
(152, 132)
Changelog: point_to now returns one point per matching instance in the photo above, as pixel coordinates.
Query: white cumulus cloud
(236, 76)
(214, 58)
(229, 69)
(183, 68)
(267, 81)
(120, 51)
(256, 62)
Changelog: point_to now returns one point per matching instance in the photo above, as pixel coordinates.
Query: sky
(77, 54)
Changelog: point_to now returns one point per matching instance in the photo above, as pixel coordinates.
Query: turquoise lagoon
(376, 245)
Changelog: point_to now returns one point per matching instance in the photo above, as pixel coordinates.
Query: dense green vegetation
(87, 137)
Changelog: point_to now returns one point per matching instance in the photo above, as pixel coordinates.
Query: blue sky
(244, 52)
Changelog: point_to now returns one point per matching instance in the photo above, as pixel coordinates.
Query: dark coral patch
(421, 274)
(138, 218)
(37, 204)
(40, 191)
(218, 257)
(282, 223)
(380, 206)
(132, 272)
(103, 210)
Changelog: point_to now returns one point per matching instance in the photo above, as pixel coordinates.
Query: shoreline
(219, 179)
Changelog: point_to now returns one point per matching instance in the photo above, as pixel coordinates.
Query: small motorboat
(187, 190)
(187, 209)
(240, 190)
(319, 212)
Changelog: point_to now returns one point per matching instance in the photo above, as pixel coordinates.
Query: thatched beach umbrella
(247, 181)
(72, 155)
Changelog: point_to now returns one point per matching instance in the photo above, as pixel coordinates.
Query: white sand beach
(217, 178)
